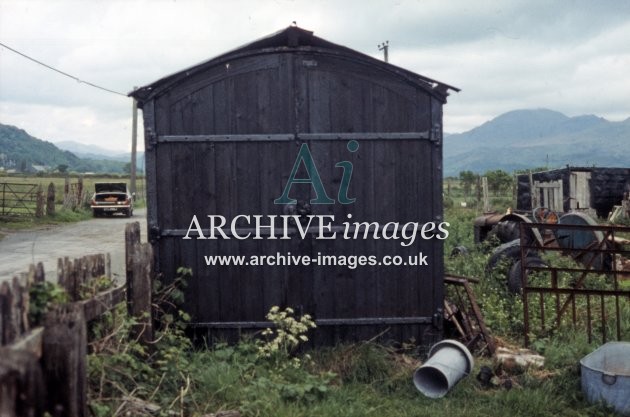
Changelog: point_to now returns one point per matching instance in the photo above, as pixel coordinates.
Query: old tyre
(515, 281)
(508, 251)
(459, 250)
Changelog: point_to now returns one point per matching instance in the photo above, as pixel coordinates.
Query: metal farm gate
(17, 199)
(294, 124)
(588, 294)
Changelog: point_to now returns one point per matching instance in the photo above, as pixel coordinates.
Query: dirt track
(101, 235)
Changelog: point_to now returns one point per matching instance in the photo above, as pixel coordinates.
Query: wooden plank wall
(607, 186)
(393, 180)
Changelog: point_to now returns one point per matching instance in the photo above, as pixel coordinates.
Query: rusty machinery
(504, 230)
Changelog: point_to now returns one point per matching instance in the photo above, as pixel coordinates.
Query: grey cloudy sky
(570, 56)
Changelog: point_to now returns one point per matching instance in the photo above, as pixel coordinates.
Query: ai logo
(321, 197)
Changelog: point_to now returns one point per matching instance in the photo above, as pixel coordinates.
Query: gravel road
(101, 235)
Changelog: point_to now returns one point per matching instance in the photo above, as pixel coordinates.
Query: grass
(356, 380)
(372, 381)
(61, 216)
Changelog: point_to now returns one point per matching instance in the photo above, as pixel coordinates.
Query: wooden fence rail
(43, 369)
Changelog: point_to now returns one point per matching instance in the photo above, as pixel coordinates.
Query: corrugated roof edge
(291, 36)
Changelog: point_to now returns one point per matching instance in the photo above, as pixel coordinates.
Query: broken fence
(43, 369)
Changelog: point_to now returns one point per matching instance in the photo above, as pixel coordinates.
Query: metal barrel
(449, 361)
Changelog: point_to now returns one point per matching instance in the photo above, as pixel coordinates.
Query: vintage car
(110, 198)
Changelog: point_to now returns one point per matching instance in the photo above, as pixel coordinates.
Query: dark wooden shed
(223, 137)
(595, 190)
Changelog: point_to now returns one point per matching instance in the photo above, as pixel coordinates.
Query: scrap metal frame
(592, 296)
(471, 327)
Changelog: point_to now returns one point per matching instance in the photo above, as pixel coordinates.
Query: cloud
(571, 56)
(84, 124)
(503, 74)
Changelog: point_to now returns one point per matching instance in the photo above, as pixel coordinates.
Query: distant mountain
(523, 139)
(84, 149)
(20, 151)
(96, 152)
(519, 139)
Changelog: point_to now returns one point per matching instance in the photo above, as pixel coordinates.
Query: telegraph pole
(385, 48)
(134, 142)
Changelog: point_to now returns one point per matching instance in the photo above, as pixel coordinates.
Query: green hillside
(20, 151)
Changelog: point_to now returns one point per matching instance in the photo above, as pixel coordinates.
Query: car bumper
(111, 208)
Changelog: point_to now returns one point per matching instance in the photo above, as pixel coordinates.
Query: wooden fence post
(64, 360)
(22, 389)
(139, 270)
(39, 208)
(485, 194)
(35, 274)
(80, 196)
(13, 311)
(73, 275)
(6, 301)
(8, 385)
(50, 200)
(44, 369)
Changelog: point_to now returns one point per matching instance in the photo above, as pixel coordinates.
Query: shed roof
(570, 168)
(286, 40)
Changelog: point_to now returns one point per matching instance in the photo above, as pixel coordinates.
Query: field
(456, 196)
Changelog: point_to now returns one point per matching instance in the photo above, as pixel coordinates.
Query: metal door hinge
(438, 319)
(154, 234)
(151, 138)
(436, 134)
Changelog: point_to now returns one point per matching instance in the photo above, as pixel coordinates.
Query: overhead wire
(61, 72)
